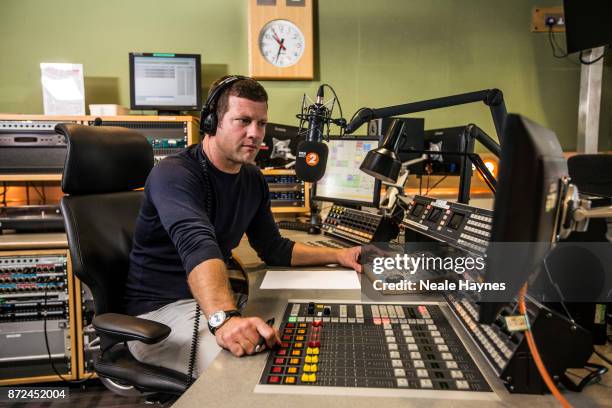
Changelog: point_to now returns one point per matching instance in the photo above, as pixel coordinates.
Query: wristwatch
(219, 318)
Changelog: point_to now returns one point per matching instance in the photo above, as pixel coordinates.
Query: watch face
(216, 319)
(281, 43)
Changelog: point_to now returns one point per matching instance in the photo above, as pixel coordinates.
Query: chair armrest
(120, 327)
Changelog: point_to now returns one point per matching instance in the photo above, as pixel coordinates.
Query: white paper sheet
(311, 279)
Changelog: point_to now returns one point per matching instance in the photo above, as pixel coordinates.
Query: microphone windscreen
(311, 161)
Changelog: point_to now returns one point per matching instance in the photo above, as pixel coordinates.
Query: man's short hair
(246, 88)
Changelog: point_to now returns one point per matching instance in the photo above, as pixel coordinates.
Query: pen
(261, 344)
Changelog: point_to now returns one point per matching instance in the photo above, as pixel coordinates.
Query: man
(181, 247)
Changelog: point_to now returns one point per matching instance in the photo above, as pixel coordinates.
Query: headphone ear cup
(210, 124)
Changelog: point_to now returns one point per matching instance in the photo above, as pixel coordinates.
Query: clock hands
(280, 48)
(278, 40)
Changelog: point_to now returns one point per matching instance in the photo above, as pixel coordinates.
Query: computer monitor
(165, 82)
(447, 141)
(343, 182)
(587, 24)
(526, 209)
(279, 147)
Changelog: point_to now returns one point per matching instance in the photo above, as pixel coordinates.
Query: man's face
(241, 130)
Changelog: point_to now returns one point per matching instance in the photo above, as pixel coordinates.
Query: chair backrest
(104, 166)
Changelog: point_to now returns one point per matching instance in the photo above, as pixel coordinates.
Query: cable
(553, 44)
(435, 184)
(55, 370)
(194, 344)
(582, 61)
(536, 354)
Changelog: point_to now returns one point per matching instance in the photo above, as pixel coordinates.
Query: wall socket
(541, 14)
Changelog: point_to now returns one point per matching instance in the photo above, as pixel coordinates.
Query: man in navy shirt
(180, 250)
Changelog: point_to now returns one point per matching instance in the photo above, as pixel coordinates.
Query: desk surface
(230, 381)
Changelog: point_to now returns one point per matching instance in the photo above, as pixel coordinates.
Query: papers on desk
(311, 279)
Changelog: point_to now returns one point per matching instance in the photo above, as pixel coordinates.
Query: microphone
(312, 153)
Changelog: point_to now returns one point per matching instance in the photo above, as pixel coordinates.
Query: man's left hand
(349, 257)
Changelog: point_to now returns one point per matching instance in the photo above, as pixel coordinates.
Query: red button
(277, 370)
(273, 379)
(279, 361)
(288, 331)
(317, 323)
(286, 337)
(290, 325)
(376, 320)
(386, 320)
(282, 352)
(284, 344)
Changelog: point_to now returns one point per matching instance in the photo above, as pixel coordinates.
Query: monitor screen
(526, 207)
(165, 81)
(343, 182)
(587, 24)
(279, 146)
(447, 141)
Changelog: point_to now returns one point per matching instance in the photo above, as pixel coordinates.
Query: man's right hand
(240, 335)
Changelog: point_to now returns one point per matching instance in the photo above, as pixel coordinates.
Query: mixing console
(360, 227)
(371, 349)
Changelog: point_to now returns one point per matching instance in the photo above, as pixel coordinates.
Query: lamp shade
(382, 164)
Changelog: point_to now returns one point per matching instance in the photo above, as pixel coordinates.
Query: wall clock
(281, 39)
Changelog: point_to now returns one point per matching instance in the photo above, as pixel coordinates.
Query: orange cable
(536, 354)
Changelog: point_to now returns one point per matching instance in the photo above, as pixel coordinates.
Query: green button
(292, 319)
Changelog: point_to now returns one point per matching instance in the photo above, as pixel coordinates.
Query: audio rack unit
(35, 308)
(288, 194)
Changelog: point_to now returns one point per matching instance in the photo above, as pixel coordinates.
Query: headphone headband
(208, 116)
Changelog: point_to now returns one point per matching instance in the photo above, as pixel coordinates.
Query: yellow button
(315, 351)
(314, 359)
(301, 331)
(292, 370)
(307, 368)
(299, 338)
(296, 353)
(294, 361)
(289, 380)
(298, 345)
(312, 378)
(305, 378)
(309, 359)
(303, 324)
(308, 350)
(313, 368)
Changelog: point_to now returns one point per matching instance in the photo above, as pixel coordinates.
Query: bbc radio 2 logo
(311, 158)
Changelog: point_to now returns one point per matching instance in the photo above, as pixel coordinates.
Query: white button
(396, 363)
(394, 354)
(392, 346)
(405, 326)
(426, 384)
(413, 347)
(435, 333)
(389, 333)
(409, 339)
(447, 356)
(399, 372)
(442, 347)
(439, 340)
(415, 355)
(407, 332)
(402, 382)
(456, 374)
(390, 339)
(422, 373)
(418, 364)
(463, 385)
(451, 364)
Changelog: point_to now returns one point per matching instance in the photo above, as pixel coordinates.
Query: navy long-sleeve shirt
(173, 232)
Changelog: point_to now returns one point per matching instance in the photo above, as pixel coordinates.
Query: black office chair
(103, 167)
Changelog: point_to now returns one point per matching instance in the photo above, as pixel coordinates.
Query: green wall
(374, 53)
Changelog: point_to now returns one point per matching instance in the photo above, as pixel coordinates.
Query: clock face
(281, 43)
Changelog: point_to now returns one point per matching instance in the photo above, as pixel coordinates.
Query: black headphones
(208, 117)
